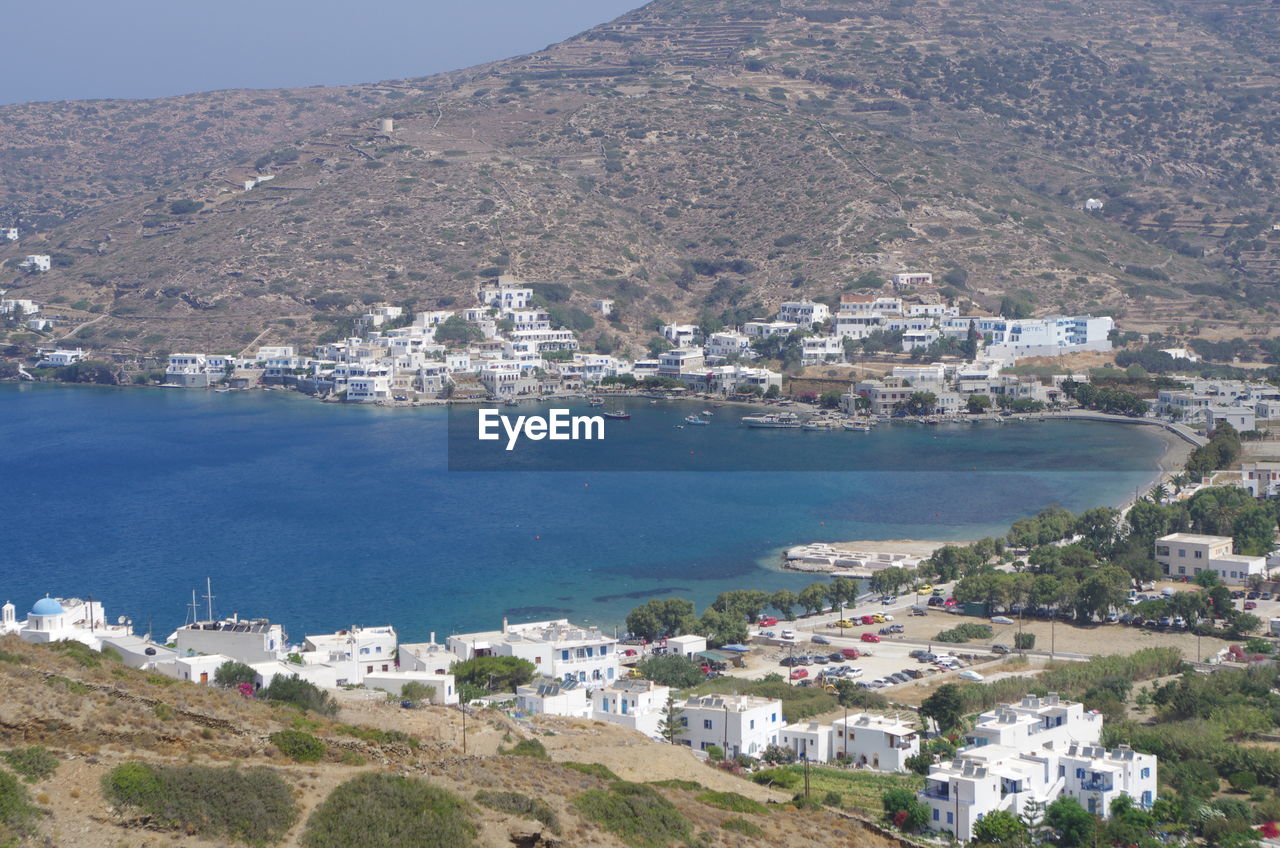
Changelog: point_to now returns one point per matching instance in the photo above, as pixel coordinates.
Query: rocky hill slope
(708, 159)
(87, 715)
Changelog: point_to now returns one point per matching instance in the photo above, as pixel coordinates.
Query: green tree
(232, 673)
(300, 693)
(1073, 823)
(978, 404)
(813, 597)
(455, 330)
(1099, 527)
(494, 674)
(662, 617)
(722, 628)
(999, 827)
(671, 670)
(785, 602)
(945, 706)
(1024, 641)
(671, 725)
(745, 603)
(829, 400)
(904, 810)
(772, 392)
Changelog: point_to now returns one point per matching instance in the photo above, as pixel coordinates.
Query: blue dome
(46, 606)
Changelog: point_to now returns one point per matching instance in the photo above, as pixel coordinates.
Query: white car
(1001, 619)
(969, 674)
(788, 634)
(854, 672)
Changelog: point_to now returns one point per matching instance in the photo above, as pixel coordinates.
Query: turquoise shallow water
(323, 516)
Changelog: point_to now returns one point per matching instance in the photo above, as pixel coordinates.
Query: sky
(88, 49)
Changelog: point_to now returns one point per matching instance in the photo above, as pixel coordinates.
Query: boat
(596, 401)
(618, 415)
(820, 425)
(693, 419)
(707, 413)
(775, 421)
(857, 426)
(679, 426)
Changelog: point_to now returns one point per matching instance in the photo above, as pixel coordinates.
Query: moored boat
(618, 415)
(774, 421)
(694, 419)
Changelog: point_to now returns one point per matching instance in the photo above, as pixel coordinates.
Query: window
(537, 660)
(1146, 772)
(935, 815)
(1182, 552)
(773, 717)
(951, 818)
(1080, 773)
(752, 724)
(1199, 554)
(706, 724)
(684, 721)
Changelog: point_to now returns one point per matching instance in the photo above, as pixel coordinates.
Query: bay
(323, 516)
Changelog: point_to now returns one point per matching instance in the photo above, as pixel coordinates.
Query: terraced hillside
(708, 159)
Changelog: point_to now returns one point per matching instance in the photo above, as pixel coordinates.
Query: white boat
(820, 426)
(775, 421)
(857, 426)
(596, 401)
(693, 419)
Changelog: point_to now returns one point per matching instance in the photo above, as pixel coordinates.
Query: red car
(850, 653)
(868, 619)
(870, 637)
(799, 674)
(949, 602)
(768, 621)
(1250, 605)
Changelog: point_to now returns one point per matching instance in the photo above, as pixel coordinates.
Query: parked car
(804, 659)
(870, 637)
(879, 618)
(787, 662)
(868, 619)
(999, 649)
(821, 640)
(969, 674)
(949, 602)
(1166, 621)
(800, 674)
(1001, 619)
(768, 621)
(1253, 596)
(1250, 605)
(919, 610)
(836, 656)
(888, 600)
(788, 634)
(821, 659)
(1113, 616)
(936, 601)
(1265, 596)
(850, 653)
(843, 623)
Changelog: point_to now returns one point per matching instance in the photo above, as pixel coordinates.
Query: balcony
(936, 793)
(1096, 785)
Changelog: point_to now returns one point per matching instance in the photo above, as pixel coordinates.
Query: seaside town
(507, 348)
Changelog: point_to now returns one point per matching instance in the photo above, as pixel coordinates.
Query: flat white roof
(1194, 538)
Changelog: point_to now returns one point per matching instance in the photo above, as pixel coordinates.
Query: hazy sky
(78, 49)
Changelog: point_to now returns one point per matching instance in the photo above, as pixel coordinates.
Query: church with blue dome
(58, 619)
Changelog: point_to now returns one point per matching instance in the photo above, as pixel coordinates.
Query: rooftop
(1194, 538)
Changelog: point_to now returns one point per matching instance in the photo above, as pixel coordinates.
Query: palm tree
(1158, 493)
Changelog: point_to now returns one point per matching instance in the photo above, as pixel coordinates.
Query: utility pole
(806, 772)
(463, 708)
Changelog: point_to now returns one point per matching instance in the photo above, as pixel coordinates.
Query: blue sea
(322, 516)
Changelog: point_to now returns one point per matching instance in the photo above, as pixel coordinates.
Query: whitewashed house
(37, 262)
(805, 313)
(1095, 776)
(548, 696)
(1187, 554)
(911, 279)
(874, 741)
(689, 645)
(444, 689)
(244, 640)
(638, 704)
(1262, 479)
(558, 649)
(808, 740)
(738, 724)
(682, 335)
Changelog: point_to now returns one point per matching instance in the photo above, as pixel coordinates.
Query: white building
(58, 358)
(9, 306)
(808, 740)
(11, 233)
(558, 649)
(682, 335)
(370, 649)
(911, 279)
(604, 307)
(1242, 418)
(192, 371)
(805, 313)
(727, 343)
(874, 741)
(444, 689)
(738, 724)
(37, 262)
(638, 704)
(372, 388)
(1095, 776)
(687, 646)
(1033, 751)
(244, 640)
(547, 696)
(505, 297)
(765, 329)
(1262, 479)
(61, 619)
(1187, 554)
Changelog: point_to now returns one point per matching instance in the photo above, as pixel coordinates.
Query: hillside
(94, 715)
(710, 159)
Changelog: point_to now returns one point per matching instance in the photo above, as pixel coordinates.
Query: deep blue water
(322, 516)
